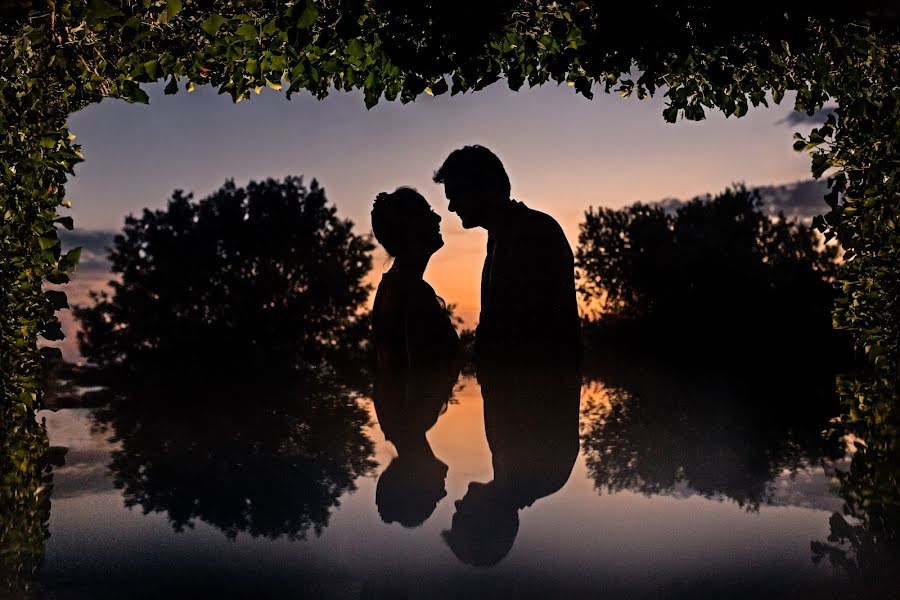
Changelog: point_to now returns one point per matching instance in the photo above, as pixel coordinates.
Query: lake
(674, 492)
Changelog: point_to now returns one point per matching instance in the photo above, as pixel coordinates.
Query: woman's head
(404, 223)
(410, 488)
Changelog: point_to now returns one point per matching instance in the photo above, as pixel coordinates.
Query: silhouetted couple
(527, 349)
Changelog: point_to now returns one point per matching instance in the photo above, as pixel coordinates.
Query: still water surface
(658, 504)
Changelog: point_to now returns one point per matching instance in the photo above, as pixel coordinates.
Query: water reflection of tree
(269, 462)
(651, 429)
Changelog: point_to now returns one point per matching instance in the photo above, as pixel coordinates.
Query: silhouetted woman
(418, 357)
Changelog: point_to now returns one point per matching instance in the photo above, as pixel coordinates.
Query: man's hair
(476, 164)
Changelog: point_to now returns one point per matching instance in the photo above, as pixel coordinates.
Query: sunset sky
(563, 154)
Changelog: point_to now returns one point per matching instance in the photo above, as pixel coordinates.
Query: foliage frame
(61, 55)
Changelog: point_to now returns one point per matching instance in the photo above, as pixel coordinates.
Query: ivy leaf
(48, 242)
(355, 48)
(136, 94)
(51, 353)
(101, 10)
(152, 69)
(440, 87)
(66, 222)
(70, 260)
(57, 299)
(173, 7)
(212, 24)
(308, 16)
(53, 331)
(246, 31)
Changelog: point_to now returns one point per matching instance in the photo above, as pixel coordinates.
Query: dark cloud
(94, 248)
(801, 118)
(799, 201)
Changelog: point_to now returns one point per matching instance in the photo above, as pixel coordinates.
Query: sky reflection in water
(671, 538)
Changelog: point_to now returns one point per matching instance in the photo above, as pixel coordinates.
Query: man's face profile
(465, 202)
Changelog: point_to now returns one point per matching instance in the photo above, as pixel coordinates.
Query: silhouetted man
(528, 309)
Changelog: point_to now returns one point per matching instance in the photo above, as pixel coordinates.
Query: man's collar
(503, 213)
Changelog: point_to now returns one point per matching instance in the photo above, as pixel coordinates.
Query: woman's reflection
(408, 405)
(418, 357)
(531, 421)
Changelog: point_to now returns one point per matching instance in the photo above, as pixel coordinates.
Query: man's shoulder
(534, 222)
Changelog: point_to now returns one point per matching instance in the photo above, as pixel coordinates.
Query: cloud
(801, 118)
(94, 248)
(799, 201)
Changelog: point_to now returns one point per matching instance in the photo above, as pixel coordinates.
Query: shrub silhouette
(262, 277)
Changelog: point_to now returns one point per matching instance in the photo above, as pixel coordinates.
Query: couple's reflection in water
(531, 421)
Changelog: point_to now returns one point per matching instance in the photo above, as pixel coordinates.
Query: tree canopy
(717, 275)
(257, 278)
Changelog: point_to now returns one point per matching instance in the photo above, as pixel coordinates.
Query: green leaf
(308, 16)
(53, 331)
(57, 299)
(440, 87)
(101, 10)
(66, 222)
(173, 7)
(152, 69)
(71, 259)
(48, 242)
(212, 24)
(53, 353)
(138, 95)
(277, 63)
(246, 31)
(355, 48)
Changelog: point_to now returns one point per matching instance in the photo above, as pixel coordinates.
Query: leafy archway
(60, 55)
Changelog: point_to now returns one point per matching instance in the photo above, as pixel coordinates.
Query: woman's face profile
(423, 229)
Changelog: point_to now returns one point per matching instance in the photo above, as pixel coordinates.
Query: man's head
(484, 526)
(475, 184)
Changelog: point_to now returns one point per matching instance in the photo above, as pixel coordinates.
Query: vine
(61, 55)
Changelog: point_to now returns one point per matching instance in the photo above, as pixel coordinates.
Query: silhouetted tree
(265, 276)
(717, 275)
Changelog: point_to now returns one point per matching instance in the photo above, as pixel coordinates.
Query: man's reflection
(531, 422)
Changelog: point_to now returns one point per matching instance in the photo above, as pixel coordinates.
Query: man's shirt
(529, 312)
